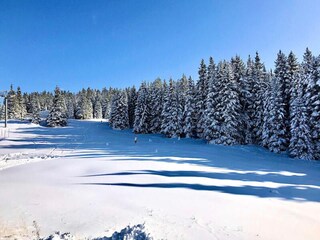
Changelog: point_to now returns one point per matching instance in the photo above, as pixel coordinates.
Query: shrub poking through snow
(59, 236)
(136, 232)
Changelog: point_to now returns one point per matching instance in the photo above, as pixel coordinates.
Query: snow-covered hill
(91, 181)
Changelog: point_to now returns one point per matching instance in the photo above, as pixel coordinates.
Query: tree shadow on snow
(288, 193)
(289, 187)
(299, 179)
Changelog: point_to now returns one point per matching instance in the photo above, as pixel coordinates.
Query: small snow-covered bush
(59, 236)
(136, 232)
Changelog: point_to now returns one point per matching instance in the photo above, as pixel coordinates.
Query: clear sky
(76, 44)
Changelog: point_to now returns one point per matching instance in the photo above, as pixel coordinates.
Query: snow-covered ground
(91, 181)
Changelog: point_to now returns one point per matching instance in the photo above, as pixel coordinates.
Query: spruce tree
(132, 102)
(35, 109)
(97, 107)
(283, 77)
(248, 102)
(307, 85)
(238, 67)
(293, 77)
(119, 111)
(57, 116)
(301, 145)
(21, 107)
(213, 114)
(170, 116)
(257, 95)
(104, 102)
(142, 111)
(190, 124)
(12, 103)
(230, 108)
(315, 106)
(206, 117)
(181, 96)
(2, 111)
(85, 109)
(268, 107)
(156, 104)
(70, 101)
(278, 135)
(201, 96)
(312, 90)
(27, 102)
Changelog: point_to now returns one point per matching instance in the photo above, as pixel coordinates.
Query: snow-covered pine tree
(119, 111)
(301, 145)
(230, 108)
(282, 77)
(91, 96)
(12, 103)
(307, 79)
(201, 96)
(35, 109)
(315, 106)
(293, 77)
(114, 114)
(181, 95)
(189, 111)
(307, 67)
(204, 118)
(247, 98)
(70, 101)
(307, 75)
(278, 138)
(311, 66)
(239, 71)
(142, 111)
(97, 106)
(132, 102)
(156, 104)
(2, 111)
(21, 107)
(104, 94)
(213, 118)
(27, 102)
(106, 102)
(46, 100)
(268, 107)
(170, 121)
(88, 106)
(257, 94)
(166, 107)
(84, 109)
(57, 116)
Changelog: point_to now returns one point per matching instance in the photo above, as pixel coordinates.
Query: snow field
(93, 181)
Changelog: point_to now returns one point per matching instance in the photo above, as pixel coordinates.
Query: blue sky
(76, 44)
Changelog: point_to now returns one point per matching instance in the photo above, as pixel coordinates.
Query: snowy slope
(90, 180)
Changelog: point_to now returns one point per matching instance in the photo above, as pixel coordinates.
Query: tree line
(234, 103)
(231, 103)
